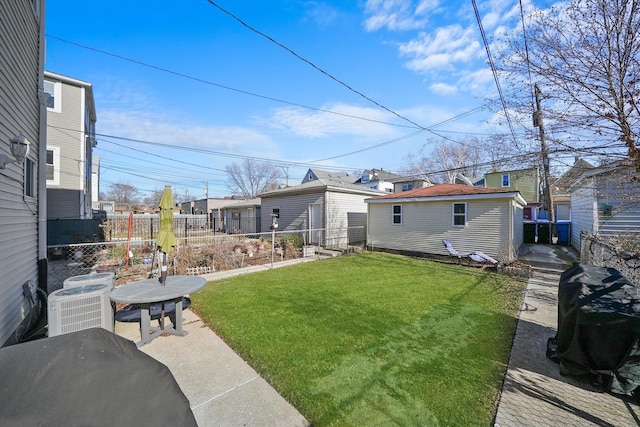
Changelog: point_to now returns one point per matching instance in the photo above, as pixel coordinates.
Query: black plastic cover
(598, 327)
(89, 377)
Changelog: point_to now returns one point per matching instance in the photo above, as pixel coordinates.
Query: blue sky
(204, 90)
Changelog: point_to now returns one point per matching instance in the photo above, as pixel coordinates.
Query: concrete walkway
(222, 388)
(534, 393)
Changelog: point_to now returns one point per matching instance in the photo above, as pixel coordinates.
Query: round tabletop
(150, 290)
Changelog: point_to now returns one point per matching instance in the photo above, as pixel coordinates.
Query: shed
(332, 213)
(243, 216)
(471, 218)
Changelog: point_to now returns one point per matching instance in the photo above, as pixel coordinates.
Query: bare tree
(447, 160)
(184, 196)
(585, 56)
(153, 199)
(250, 178)
(123, 193)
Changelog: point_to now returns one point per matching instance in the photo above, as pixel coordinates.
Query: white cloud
(165, 129)
(428, 6)
(480, 82)
(443, 89)
(442, 49)
(396, 15)
(317, 124)
(320, 13)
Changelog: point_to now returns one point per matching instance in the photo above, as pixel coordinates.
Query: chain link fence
(200, 251)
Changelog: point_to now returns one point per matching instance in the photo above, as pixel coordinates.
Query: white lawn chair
(477, 257)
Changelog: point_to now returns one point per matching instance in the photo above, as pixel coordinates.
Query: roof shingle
(440, 190)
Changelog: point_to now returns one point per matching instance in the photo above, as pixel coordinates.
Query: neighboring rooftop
(323, 184)
(572, 175)
(316, 174)
(443, 190)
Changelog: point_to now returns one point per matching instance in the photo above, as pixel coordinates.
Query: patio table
(148, 291)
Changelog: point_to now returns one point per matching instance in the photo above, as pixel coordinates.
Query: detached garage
(471, 218)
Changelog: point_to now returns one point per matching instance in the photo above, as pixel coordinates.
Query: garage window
(460, 214)
(397, 214)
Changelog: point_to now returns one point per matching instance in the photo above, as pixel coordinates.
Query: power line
(401, 138)
(494, 71)
(225, 87)
(526, 50)
(342, 83)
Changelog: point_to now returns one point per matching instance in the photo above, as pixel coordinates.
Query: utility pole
(285, 169)
(206, 189)
(206, 202)
(547, 194)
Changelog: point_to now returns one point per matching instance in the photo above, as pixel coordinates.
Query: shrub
(291, 239)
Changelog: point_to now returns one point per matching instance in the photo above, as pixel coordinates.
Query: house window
(52, 93)
(397, 214)
(506, 180)
(53, 165)
(607, 210)
(460, 214)
(407, 187)
(29, 178)
(276, 212)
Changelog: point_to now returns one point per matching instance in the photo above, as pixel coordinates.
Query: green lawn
(372, 338)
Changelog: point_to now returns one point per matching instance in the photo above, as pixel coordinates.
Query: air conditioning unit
(82, 307)
(89, 279)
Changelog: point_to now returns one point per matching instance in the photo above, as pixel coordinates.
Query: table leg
(178, 325)
(147, 333)
(145, 321)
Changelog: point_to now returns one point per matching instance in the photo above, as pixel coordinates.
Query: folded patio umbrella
(166, 241)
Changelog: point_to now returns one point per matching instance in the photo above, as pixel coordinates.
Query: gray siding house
(471, 218)
(22, 202)
(243, 216)
(605, 201)
(325, 208)
(71, 118)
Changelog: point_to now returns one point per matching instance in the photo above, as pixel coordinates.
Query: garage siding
(294, 210)
(583, 209)
(426, 224)
(344, 211)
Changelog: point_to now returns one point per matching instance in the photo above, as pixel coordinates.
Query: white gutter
(511, 195)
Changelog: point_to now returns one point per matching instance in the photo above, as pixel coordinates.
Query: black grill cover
(598, 327)
(88, 378)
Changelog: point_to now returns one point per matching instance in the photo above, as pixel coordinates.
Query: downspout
(512, 228)
(42, 161)
(367, 238)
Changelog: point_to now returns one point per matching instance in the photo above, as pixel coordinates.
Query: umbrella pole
(153, 261)
(163, 281)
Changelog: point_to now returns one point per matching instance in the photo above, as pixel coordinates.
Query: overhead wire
(415, 125)
(221, 86)
(526, 50)
(186, 76)
(314, 66)
(494, 71)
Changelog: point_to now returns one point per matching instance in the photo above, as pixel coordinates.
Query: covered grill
(598, 328)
